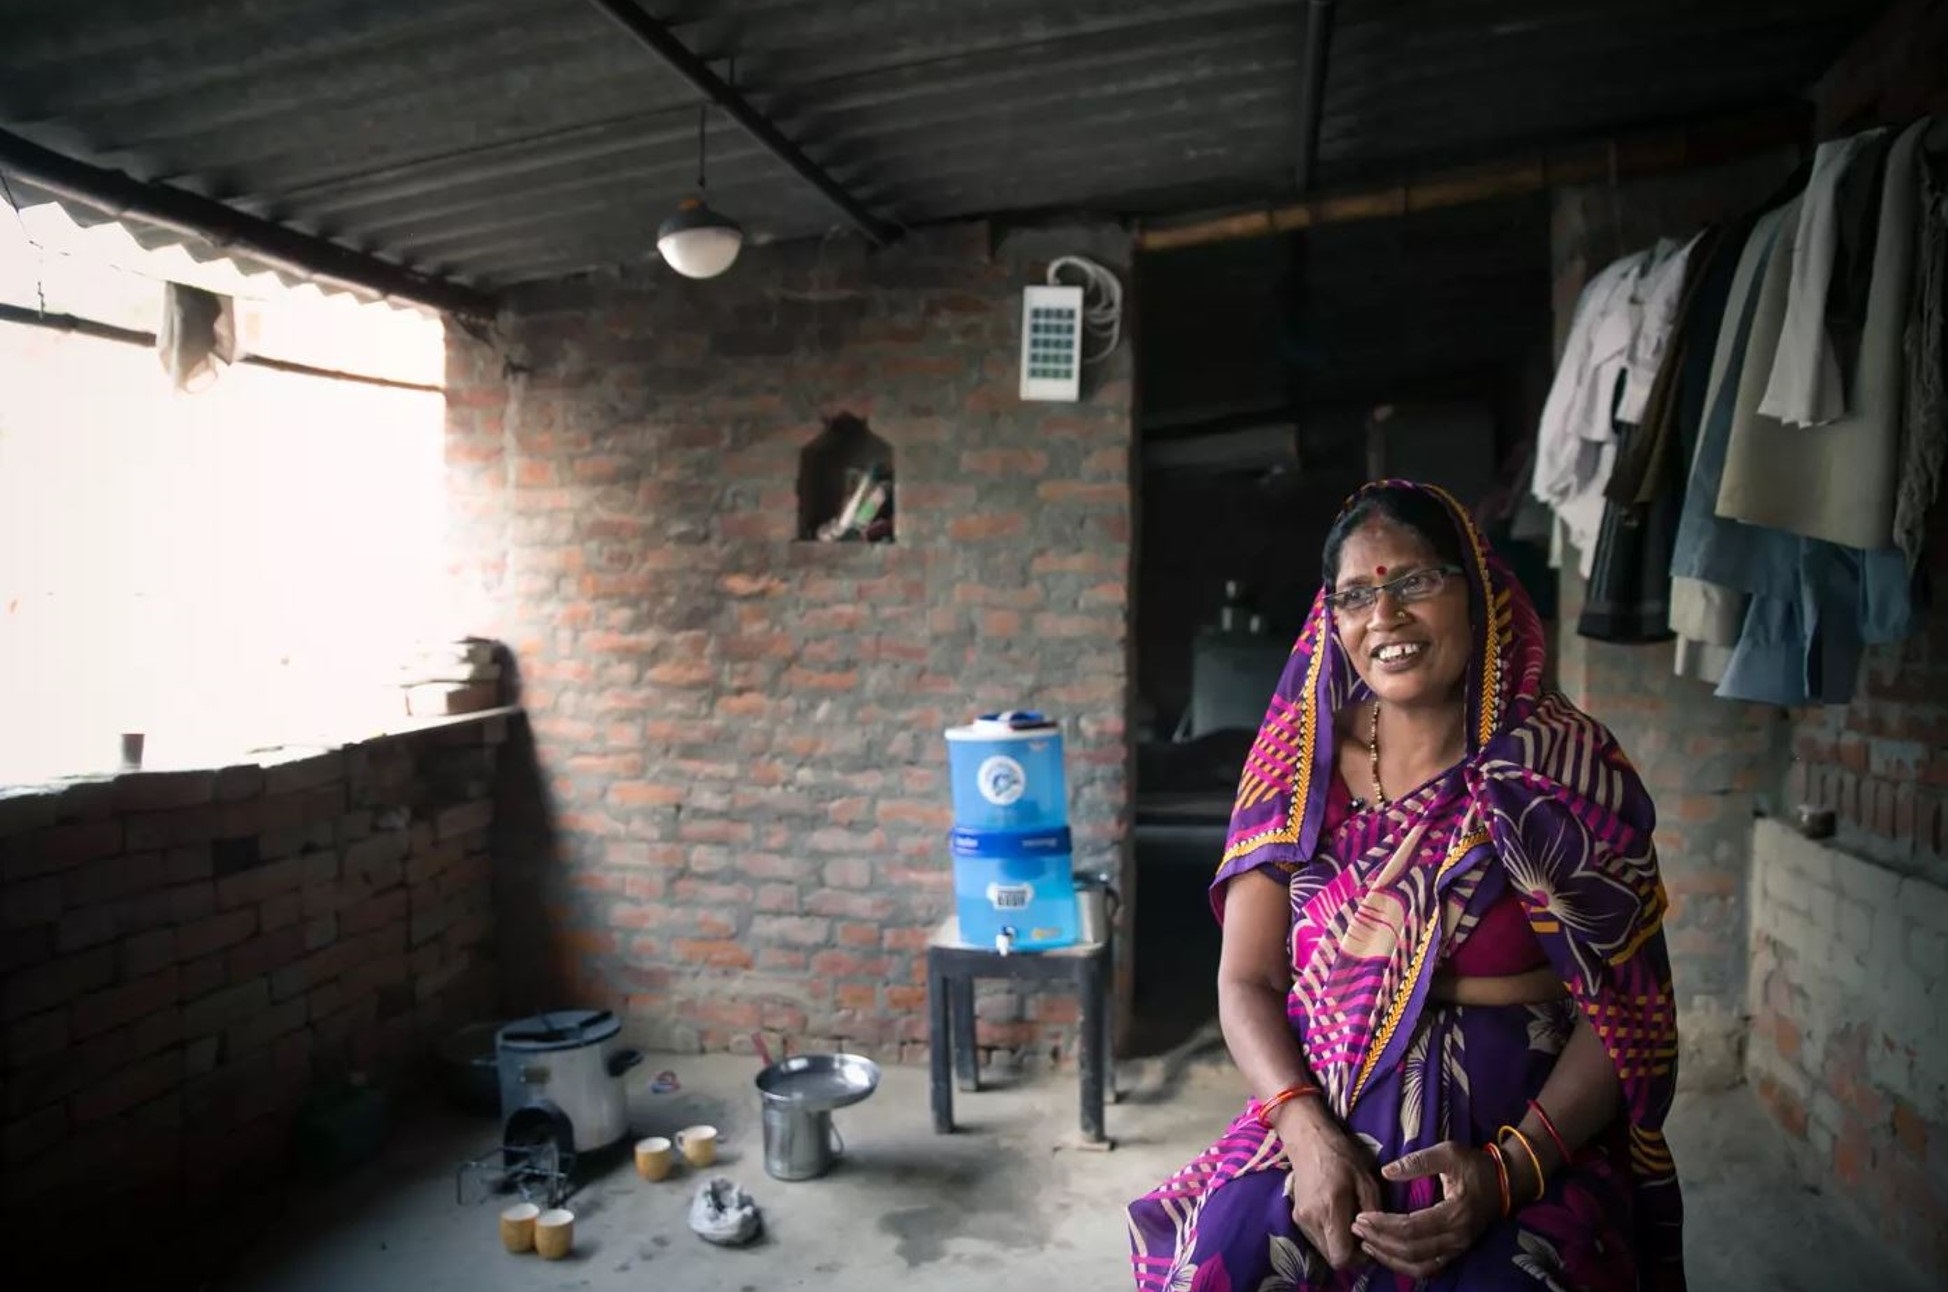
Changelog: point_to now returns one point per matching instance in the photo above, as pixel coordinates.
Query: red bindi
(1380, 570)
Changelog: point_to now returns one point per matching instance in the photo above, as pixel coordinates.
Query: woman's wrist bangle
(1494, 1152)
(1541, 1184)
(1301, 1090)
(1549, 1128)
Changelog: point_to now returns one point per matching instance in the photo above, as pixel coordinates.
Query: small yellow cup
(517, 1227)
(554, 1233)
(698, 1144)
(654, 1158)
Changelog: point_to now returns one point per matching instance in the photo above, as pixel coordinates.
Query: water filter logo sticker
(1010, 897)
(1001, 780)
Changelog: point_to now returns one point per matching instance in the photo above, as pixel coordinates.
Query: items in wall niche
(1748, 427)
(868, 513)
(845, 485)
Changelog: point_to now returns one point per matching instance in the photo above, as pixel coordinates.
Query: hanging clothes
(1838, 481)
(1707, 617)
(1924, 431)
(1630, 587)
(1712, 617)
(1805, 388)
(1706, 541)
(1856, 226)
(1660, 299)
(1814, 605)
(1576, 441)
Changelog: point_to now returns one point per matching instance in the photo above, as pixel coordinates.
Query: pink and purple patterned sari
(1544, 806)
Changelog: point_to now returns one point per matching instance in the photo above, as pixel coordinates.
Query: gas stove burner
(536, 1160)
(539, 1173)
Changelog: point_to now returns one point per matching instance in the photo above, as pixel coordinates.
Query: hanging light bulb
(697, 241)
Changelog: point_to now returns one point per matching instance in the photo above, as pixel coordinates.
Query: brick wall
(1709, 764)
(740, 780)
(187, 953)
(1849, 973)
(1881, 763)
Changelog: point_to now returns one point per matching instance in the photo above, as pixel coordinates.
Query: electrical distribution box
(1051, 344)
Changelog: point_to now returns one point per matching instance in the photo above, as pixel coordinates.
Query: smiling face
(1409, 652)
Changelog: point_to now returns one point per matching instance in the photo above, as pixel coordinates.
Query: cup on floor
(654, 1158)
(698, 1144)
(517, 1227)
(554, 1233)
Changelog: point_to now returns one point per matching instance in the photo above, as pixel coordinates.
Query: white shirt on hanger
(1576, 441)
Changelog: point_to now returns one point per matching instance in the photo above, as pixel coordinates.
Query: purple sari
(1544, 804)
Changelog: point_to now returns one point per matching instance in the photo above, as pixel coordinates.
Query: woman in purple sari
(1452, 1001)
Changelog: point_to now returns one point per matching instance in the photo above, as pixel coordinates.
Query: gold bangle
(1541, 1184)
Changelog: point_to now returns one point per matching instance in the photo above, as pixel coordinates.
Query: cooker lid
(560, 1029)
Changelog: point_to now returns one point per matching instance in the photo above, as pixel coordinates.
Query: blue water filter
(1014, 890)
(1005, 770)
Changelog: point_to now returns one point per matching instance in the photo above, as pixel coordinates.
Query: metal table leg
(1092, 1052)
(967, 1058)
(940, 1051)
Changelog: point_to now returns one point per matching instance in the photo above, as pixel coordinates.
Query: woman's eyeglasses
(1417, 586)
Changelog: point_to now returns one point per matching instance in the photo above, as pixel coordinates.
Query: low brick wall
(186, 954)
(1848, 981)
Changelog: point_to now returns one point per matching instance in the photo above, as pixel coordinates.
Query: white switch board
(1051, 344)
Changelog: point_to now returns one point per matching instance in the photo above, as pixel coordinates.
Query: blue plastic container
(1014, 887)
(1006, 773)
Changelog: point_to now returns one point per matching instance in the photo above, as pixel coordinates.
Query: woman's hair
(1409, 508)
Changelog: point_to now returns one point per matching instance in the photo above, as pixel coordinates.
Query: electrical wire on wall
(1102, 301)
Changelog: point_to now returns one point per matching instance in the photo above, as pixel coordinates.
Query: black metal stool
(952, 968)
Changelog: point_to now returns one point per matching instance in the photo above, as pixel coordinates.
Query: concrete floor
(1008, 1198)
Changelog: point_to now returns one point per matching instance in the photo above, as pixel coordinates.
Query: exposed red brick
(214, 933)
(133, 1085)
(113, 877)
(153, 791)
(59, 981)
(266, 952)
(1911, 1130)
(114, 1006)
(258, 884)
(721, 954)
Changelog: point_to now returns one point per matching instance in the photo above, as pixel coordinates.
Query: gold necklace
(1373, 753)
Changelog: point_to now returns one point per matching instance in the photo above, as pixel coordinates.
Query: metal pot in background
(568, 1061)
(1096, 902)
(799, 1096)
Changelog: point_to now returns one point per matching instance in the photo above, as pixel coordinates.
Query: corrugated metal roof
(495, 141)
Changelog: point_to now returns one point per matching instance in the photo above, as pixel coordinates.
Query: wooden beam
(191, 215)
(21, 315)
(659, 40)
(1621, 157)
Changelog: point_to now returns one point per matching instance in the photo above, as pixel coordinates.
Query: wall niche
(845, 485)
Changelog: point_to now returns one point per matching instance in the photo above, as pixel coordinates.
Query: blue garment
(1815, 606)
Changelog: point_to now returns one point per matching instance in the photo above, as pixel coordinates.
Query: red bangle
(1494, 1152)
(1283, 1097)
(1555, 1135)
